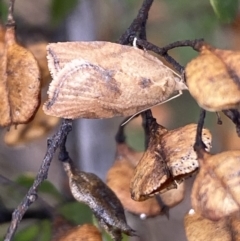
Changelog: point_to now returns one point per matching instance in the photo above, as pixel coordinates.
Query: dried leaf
(103, 79)
(86, 232)
(91, 190)
(20, 83)
(168, 160)
(216, 190)
(26, 133)
(119, 177)
(214, 74)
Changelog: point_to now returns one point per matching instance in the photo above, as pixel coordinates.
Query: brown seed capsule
(201, 229)
(216, 190)
(213, 79)
(86, 232)
(103, 79)
(39, 127)
(168, 160)
(119, 177)
(39, 51)
(20, 83)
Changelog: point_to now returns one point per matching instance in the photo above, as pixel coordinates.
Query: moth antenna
(173, 97)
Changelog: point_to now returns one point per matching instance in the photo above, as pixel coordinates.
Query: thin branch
(234, 116)
(31, 195)
(164, 50)
(138, 25)
(199, 146)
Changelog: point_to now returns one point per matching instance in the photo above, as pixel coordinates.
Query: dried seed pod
(201, 229)
(168, 160)
(20, 82)
(86, 232)
(216, 190)
(39, 51)
(60, 226)
(213, 79)
(119, 177)
(40, 126)
(103, 79)
(91, 190)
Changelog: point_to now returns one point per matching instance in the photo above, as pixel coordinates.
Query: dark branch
(31, 195)
(234, 116)
(199, 146)
(147, 120)
(138, 26)
(164, 50)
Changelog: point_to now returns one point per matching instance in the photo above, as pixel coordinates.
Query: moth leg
(173, 97)
(135, 42)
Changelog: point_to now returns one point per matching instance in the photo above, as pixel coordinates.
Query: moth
(104, 79)
(168, 160)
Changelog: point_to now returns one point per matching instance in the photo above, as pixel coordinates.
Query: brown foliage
(106, 80)
(119, 178)
(199, 228)
(216, 190)
(213, 79)
(20, 82)
(168, 160)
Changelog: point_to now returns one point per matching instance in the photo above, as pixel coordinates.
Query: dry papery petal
(216, 190)
(168, 160)
(20, 83)
(103, 80)
(213, 78)
(40, 126)
(86, 232)
(199, 228)
(92, 191)
(119, 177)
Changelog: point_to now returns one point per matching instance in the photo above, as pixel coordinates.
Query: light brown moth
(103, 80)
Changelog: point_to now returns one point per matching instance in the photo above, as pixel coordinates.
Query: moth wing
(82, 89)
(178, 148)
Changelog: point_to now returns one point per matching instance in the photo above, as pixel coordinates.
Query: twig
(138, 25)
(164, 50)
(199, 146)
(234, 116)
(31, 195)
